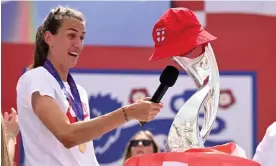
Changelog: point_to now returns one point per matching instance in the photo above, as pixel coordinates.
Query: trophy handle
(184, 132)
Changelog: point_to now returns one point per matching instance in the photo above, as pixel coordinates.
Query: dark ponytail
(41, 48)
(51, 23)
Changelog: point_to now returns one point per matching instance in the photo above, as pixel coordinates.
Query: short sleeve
(37, 81)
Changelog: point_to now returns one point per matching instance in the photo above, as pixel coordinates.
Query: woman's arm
(48, 111)
(11, 142)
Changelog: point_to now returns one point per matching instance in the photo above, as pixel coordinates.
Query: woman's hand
(11, 123)
(143, 110)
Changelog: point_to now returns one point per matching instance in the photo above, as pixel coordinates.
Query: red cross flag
(229, 154)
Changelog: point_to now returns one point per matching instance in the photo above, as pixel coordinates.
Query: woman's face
(141, 144)
(68, 42)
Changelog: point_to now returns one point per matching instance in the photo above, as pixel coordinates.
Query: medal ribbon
(75, 102)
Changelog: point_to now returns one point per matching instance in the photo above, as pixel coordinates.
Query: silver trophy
(184, 132)
(178, 34)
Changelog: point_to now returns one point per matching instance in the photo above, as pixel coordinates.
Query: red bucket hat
(176, 33)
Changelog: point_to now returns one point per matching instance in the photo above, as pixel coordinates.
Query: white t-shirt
(266, 150)
(41, 147)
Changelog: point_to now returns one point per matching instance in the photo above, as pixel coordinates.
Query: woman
(142, 143)
(9, 132)
(266, 150)
(53, 111)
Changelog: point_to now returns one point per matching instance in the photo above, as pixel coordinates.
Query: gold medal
(82, 147)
